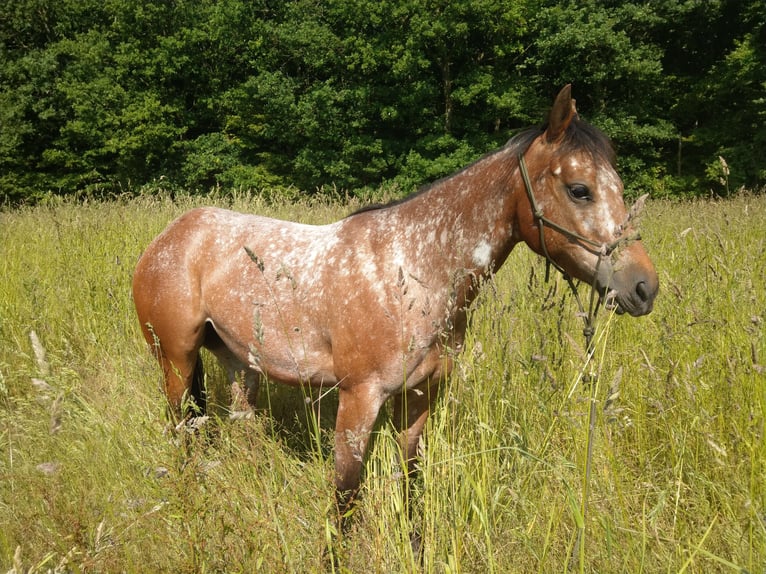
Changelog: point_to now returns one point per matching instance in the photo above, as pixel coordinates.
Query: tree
(606, 50)
(99, 97)
(719, 100)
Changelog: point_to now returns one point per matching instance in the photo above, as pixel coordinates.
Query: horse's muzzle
(631, 293)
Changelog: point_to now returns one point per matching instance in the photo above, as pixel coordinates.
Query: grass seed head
(40, 355)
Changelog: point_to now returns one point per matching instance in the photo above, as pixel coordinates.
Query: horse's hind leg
(184, 384)
(244, 392)
(183, 375)
(243, 380)
(198, 391)
(168, 305)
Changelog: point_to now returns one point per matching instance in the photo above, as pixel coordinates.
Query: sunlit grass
(91, 481)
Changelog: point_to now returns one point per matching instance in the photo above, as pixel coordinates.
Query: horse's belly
(287, 357)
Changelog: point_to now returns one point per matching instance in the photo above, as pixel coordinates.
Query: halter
(601, 249)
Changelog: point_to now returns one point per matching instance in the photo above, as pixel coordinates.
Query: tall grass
(91, 481)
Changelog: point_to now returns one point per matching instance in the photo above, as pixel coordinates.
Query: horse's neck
(468, 215)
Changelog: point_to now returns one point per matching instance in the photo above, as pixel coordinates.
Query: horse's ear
(562, 114)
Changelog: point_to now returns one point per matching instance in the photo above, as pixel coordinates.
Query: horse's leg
(183, 378)
(358, 407)
(173, 323)
(244, 394)
(244, 390)
(177, 350)
(411, 410)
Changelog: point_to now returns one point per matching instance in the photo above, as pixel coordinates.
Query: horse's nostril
(642, 291)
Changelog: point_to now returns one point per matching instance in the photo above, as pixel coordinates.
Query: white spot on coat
(482, 254)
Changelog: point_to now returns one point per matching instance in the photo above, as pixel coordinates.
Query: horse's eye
(579, 191)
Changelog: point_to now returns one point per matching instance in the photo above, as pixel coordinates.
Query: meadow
(92, 481)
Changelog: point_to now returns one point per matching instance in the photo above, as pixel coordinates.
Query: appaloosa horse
(372, 304)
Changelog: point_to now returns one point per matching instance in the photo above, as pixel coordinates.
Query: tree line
(108, 96)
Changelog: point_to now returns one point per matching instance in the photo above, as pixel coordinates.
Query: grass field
(90, 481)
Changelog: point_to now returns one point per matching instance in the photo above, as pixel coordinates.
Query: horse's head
(573, 211)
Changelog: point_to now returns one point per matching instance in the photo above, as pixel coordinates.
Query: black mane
(578, 135)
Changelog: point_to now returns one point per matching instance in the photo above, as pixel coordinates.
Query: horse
(376, 304)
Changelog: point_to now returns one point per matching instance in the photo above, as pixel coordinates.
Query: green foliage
(102, 97)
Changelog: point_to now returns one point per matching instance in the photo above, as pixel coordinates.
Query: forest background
(103, 97)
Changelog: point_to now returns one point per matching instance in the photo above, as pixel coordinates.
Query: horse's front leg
(411, 410)
(358, 407)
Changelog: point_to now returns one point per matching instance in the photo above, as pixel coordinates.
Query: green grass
(91, 481)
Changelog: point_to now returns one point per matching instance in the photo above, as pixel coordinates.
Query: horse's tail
(198, 391)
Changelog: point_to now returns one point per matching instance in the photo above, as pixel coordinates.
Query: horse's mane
(581, 135)
(577, 136)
